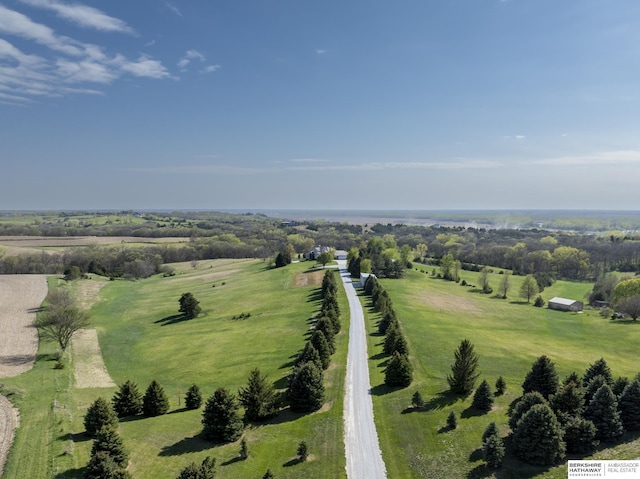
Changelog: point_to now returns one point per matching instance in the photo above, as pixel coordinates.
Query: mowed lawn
(508, 336)
(143, 337)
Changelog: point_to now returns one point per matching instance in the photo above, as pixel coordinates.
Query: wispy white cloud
(188, 56)
(456, 164)
(320, 51)
(82, 15)
(173, 8)
(201, 170)
(150, 43)
(24, 76)
(606, 158)
(309, 160)
(520, 137)
(211, 69)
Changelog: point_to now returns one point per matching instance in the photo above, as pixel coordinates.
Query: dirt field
(29, 244)
(313, 278)
(450, 303)
(20, 298)
(89, 369)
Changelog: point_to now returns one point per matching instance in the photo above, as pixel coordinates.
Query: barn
(564, 304)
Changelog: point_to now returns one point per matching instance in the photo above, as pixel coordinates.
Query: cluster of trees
(306, 383)
(551, 418)
(189, 306)
(380, 256)
(399, 371)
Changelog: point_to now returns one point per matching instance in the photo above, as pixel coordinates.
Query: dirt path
(89, 368)
(9, 420)
(20, 298)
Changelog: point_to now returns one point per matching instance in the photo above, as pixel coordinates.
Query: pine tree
(193, 398)
(572, 378)
(303, 451)
(580, 435)
(629, 405)
(329, 283)
(325, 325)
(490, 430)
(155, 401)
(109, 441)
(493, 451)
(309, 354)
(598, 368)
(452, 420)
(268, 474)
(244, 449)
(399, 372)
(99, 414)
(619, 385)
(306, 388)
(387, 318)
(220, 418)
(501, 386)
(127, 401)
(320, 343)
(464, 370)
(538, 439)
(523, 405)
(542, 378)
(568, 401)
(206, 470)
(393, 332)
(101, 466)
(189, 305)
(416, 400)
(594, 384)
(483, 397)
(603, 412)
(258, 398)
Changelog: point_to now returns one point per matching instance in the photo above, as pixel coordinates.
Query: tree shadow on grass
(476, 455)
(625, 322)
(173, 319)
(284, 415)
(77, 438)
(195, 443)
(70, 473)
(472, 412)
(381, 390)
(440, 401)
(231, 461)
(293, 462)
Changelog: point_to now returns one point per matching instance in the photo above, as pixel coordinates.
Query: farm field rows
(508, 336)
(142, 338)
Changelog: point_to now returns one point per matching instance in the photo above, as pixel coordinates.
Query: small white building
(564, 304)
(340, 254)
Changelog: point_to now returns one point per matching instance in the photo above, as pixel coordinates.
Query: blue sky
(457, 104)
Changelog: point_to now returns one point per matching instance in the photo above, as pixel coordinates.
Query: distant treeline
(548, 255)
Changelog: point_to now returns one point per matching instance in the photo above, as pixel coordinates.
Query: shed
(340, 254)
(564, 304)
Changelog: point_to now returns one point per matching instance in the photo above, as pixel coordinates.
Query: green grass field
(142, 338)
(508, 336)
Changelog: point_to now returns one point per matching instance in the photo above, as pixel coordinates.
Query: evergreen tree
(501, 386)
(572, 378)
(244, 449)
(416, 400)
(464, 369)
(490, 430)
(400, 346)
(306, 389)
(99, 414)
(193, 398)
(538, 439)
(320, 343)
(220, 419)
(399, 372)
(603, 412)
(206, 470)
(568, 401)
(592, 387)
(452, 420)
(155, 401)
(258, 398)
(329, 283)
(629, 405)
(598, 368)
(189, 305)
(619, 385)
(325, 325)
(127, 401)
(493, 451)
(109, 441)
(483, 397)
(393, 332)
(542, 378)
(303, 451)
(388, 318)
(523, 405)
(309, 354)
(580, 435)
(268, 474)
(101, 466)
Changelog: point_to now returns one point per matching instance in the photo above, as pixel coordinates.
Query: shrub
(538, 302)
(522, 406)
(501, 386)
(206, 470)
(189, 305)
(580, 435)
(490, 430)
(416, 400)
(452, 420)
(302, 451)
(493, 451)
